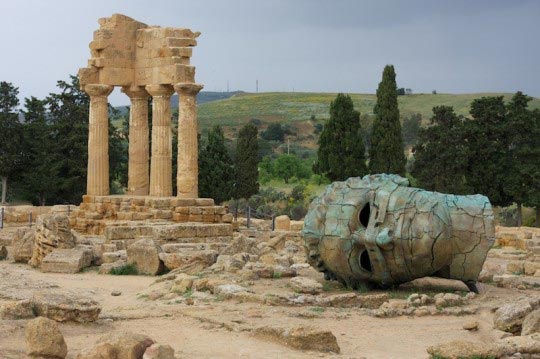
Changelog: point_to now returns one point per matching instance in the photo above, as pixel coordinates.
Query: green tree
(274, 132)
(287, 166)
(216, 169)
(41, 166)
(440, 155)
(386, 151)
(341, 146)
(10, 135)
(532, 165)
(411, 127)
(488, 144)
(520, 124)
(246, 161)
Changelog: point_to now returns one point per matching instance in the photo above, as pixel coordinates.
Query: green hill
(290, 107)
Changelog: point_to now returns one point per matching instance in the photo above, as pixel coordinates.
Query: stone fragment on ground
(106, 268)
(305, 285)
(159, 351)
(531, 323)
(64, 307)
(67, 260)
(44, 339)
(23, 245)
(471, 325)
(510, 317)
(190, 262)
(144, 253)
(118, 345)
(111, 257)
(52, 231)
(21, 309)
(301, 337)
(458, 349)
(443, 300)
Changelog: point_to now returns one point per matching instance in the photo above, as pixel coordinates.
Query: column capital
(188, 88)
(135, 92)
(98, 90)
(160, 90)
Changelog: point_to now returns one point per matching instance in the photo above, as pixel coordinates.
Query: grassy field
(289, 107)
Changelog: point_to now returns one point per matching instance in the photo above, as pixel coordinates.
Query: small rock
(44, 339)
(190, 301)
(116, 293)
(471, 326)
(447, 300)
(226, 289)
(159, 351)
(306, 285)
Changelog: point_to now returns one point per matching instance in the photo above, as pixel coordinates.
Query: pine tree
(10, 135)
(386, 151)
(246, 162)
(440, 160)
(216, 170)
(341, 144)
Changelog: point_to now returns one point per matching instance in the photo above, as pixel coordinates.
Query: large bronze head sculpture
(378, 230)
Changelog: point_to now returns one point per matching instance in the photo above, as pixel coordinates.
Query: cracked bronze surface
(377, 229)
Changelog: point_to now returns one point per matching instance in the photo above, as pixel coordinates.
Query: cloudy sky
(302, 45)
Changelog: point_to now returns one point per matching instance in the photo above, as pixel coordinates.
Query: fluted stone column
(138, 166)
(98, 140)
(161, 160)
(187, 176)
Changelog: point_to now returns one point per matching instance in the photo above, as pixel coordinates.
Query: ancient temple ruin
(145, 61)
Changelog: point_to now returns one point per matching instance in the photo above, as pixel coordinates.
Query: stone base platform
(98, 212)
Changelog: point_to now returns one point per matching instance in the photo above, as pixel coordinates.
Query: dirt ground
(220, 328)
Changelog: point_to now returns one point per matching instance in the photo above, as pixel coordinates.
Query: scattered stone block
(67, 260)
(52, 231)
(23, 245)
(64, 307)
(22, 309)
(44, 339)
(531, 323)
(145, 255)
(457, 349)
(282, 223)
(118, 345)
(106, 268)
(159, 351)
(191, 262)
(510, 317)
(306, 285)
(301, 337)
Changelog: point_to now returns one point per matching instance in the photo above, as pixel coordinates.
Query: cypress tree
(216, 170)
(10, 135)
(532, 165)
(386, 151)
(341, 145)
(247, 173)
(488, 147)
(440, 156)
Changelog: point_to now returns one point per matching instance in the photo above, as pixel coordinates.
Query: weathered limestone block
(118, 345)
(377, 229)
(44, 339)
(306, 285)
(159, 351)
(283, 223)
(22, 309)
(106, 268)
(510, 317)
(189, 262)
(111, 257)
(145, 254)
(52, 231)
(65, 307)
(23, 245)
(531, 323)
(301, 337)
(67, 260)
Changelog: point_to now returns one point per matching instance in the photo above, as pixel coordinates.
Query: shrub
(127, 269)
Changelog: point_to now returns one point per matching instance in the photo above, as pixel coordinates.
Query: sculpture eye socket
(364, 215)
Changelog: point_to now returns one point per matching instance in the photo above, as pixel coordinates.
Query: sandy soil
(221, 329)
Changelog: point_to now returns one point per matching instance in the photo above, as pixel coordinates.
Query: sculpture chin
(378, 230)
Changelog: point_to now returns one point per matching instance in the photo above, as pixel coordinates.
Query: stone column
(97, 183)
(138, 170)
(187, 176)
(161, 160)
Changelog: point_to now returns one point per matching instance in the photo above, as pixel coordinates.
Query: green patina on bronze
(377, 229)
